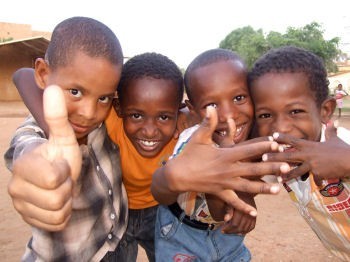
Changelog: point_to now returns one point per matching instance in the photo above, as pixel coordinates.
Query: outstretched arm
(41, 186)
(31, 94)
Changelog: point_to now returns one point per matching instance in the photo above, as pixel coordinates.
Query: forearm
(161, 187)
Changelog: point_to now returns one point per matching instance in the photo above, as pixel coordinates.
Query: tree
(251, 44)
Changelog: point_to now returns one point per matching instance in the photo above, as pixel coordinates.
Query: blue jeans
(140, 231)
(176, 241)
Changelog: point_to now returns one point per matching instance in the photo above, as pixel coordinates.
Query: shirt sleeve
(26, 136)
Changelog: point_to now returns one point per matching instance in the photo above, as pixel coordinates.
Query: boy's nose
(226, 112)
(150, 129)
(282, 125)
(88, 111)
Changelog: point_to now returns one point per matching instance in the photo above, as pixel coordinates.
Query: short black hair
(84, 34)
(290, 59)
(206, 58)
(152, 65)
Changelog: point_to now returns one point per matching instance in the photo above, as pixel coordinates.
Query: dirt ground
(280, 234)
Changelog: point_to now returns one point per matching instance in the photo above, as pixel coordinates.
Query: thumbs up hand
(62, 140)
(43, 177)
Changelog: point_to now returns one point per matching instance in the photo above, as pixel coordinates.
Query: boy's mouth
(224, 133)
(148, 145)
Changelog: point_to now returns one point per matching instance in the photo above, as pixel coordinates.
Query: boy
(190, 228)
(143, 125)
(86, 203)
(150, 93)
(289, 88)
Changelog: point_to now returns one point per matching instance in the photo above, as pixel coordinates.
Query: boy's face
(89, 84)
(224, 85)
(284, 103)
(149, 110)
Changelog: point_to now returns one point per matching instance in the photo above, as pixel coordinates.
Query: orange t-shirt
(137, 170)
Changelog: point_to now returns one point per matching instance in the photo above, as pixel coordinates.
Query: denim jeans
(140, 231)
(176, 241)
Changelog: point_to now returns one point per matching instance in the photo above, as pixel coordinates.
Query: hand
(42, 183)
(203, 167)
(238, 222)
(321, 158)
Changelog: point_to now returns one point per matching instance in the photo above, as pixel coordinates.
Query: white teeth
(148, 143)
(222, 133)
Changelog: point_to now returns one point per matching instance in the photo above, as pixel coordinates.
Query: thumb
(331, 129)
(62, 140)
(228, 141)
(204, 133)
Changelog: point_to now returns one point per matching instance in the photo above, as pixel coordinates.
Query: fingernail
(275, 189)
(270, 138)
(276, 135)
(285, 168)
(264, 157)
(279, 179)
(253, 213)
(280, 149)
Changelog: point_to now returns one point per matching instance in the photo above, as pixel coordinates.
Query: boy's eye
(212, 104)
(164, 117)
(105, 99)
(75, 92)
(136, 116)
(264, 115)
(296, 111)
(238, 98)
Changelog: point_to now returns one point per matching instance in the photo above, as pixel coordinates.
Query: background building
(19, 47)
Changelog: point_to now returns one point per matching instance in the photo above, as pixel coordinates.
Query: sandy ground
(280, 234)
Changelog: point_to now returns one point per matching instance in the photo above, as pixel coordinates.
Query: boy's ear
(116, 106)
(327, 109)
(41, 72)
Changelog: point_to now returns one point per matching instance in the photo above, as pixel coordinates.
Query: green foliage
(3, 40)
(251, 44)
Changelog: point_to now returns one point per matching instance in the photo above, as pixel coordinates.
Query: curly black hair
(206, 58)
(290, 59)
(150, 65)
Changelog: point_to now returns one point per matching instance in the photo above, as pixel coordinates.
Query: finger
(297, 172)
(331, 129)
(46, 227)
(229, 140)
(62, 139)
(231, 199)
(287, 139)
(256, 140)
(20, 191)
(229, 213)
(234, 226)
(251, 150)
(288, 156)
(44, 219)
(204, 133)
(248, 169)
(48, 176)
(254, 187)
